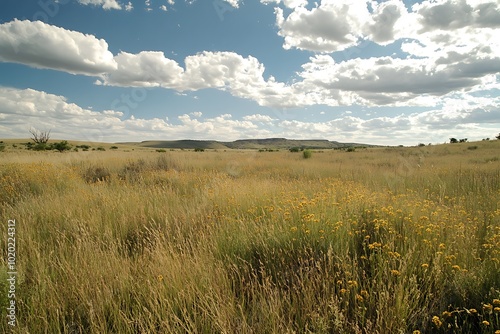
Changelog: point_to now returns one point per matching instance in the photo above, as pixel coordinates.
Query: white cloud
(242, 77)
(106, 4)
(393, 81)
(129, 6)
(258, 118)
(163, 8)
(234, 3)
(287, 3)
(432, 71)
(145, 69)
(46, 46)
(456, 14)
(331, 26)
(385, 24)
(337, 25)
(463, 115)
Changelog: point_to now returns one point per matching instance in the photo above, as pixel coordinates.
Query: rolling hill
(267, 143)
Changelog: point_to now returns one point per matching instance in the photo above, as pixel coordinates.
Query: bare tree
(40, 137)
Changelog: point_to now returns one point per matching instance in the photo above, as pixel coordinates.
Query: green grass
(380, 240)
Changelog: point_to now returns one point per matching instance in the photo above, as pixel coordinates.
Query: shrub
(39, 147)
(100, 148)
(161, 150)
(199, 149)
(97, 174)
(61, 146)
(307, 154)
(294, 149)
(472, 147)
(113, 148)
(351, 149)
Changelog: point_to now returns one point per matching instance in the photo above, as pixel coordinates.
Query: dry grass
(383, 240)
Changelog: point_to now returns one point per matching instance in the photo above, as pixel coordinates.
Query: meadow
(379, 240)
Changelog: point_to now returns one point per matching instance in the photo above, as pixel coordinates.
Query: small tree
(453, 140)
(498, 137)
(40, 137)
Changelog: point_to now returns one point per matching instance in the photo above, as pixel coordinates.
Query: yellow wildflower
(395, 272)
(446, 314)
(436, 321)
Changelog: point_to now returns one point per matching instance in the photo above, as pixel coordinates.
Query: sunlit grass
(383, 240)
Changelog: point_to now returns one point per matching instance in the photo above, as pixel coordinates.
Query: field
(378, 240)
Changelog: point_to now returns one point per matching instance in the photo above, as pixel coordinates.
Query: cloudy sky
(382, 72)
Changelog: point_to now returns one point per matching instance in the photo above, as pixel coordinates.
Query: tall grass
(385, 240)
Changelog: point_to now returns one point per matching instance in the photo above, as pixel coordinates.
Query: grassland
(379, 240)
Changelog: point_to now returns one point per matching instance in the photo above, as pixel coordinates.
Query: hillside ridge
(263, 143)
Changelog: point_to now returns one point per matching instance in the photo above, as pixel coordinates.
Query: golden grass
(382, 240)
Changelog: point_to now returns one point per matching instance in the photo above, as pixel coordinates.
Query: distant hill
(267, 143)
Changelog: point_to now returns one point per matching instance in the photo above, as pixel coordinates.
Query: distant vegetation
(385, 240)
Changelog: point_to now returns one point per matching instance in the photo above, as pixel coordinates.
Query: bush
(97, 174)
(61, 146)
(113, 148)
(100, 148)
(294, 149)
(307, 154)
(351, 149)
(199, 149)
(161, 150)
(39, 147)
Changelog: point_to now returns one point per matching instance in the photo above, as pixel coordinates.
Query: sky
(376, 72)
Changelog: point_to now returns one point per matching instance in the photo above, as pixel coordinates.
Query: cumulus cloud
(258, 118)
(22, 109)
(145, 69)
(438, 63)
(229, 71)
(331, 26)
(46, 46)
(337, 25)
(287, 3)
(385, 24)
(456, 14)
(129, 6)
(105, 4)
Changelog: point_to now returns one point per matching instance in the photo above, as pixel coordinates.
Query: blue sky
(383, 72)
